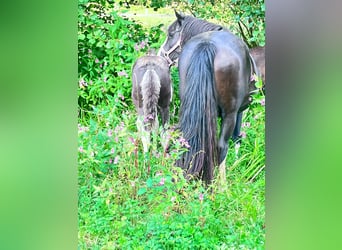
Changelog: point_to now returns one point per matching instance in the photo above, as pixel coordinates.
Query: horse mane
(150, 89)
(193, 26)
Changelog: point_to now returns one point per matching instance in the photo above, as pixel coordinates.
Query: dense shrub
(108, 44)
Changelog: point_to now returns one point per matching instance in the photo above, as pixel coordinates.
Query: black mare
(215, 69)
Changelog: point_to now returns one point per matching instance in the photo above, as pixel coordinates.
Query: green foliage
(108, 45)
(245, 18)
(131, 200)
(249, 20)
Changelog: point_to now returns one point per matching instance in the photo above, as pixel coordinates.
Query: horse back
(232, 67)
(161, 67)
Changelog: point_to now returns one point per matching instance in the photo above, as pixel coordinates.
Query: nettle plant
(108, 45)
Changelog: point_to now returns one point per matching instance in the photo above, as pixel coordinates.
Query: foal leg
(227, 127)
(144, 135)
(164, 113)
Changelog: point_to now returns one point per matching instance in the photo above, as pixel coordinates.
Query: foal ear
(180, 16)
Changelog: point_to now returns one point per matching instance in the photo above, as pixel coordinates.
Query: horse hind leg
(144, 134)
(227, 127)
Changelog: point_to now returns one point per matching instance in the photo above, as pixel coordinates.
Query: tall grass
(129, 200)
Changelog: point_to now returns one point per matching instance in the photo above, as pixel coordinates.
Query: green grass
(123, 206)
(150, 18)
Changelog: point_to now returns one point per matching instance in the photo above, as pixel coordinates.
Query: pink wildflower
(96, 60)
(116, 159)
(132, 140)
(184, 142)
(136, 47)
(142, 44)
(110, 161)
(201, 197)
(80, 149)
(110, 132)
(162, 181)
(123, 73)
(82, 83)
(112, 150)
(262, 102)
(121, 96)
(243, 134)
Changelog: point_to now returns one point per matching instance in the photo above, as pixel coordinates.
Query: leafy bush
(245, 18)
(108, 45)
(132, 200)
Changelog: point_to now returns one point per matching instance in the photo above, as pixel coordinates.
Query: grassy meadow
(131, 200)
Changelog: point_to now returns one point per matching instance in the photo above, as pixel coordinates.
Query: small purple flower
(201, 197)
(243, 134)
(80, 149)
(136, 47)
(105, 79)
(253, 78)
(110, 161)
(184, 142)
(82, 83)
(116, 159)
(142, 44)
(112, 151)
(116, 139)
(100, 65)
(123, 73)
(110, 132)
(97, 60)
(121, 96)
(162, 181)
(262, 102)
(131, 139)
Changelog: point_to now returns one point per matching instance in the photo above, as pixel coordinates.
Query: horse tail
(150, 88)
(198, 114)
(254, 68)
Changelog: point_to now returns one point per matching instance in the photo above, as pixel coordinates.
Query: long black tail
(198, 113)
